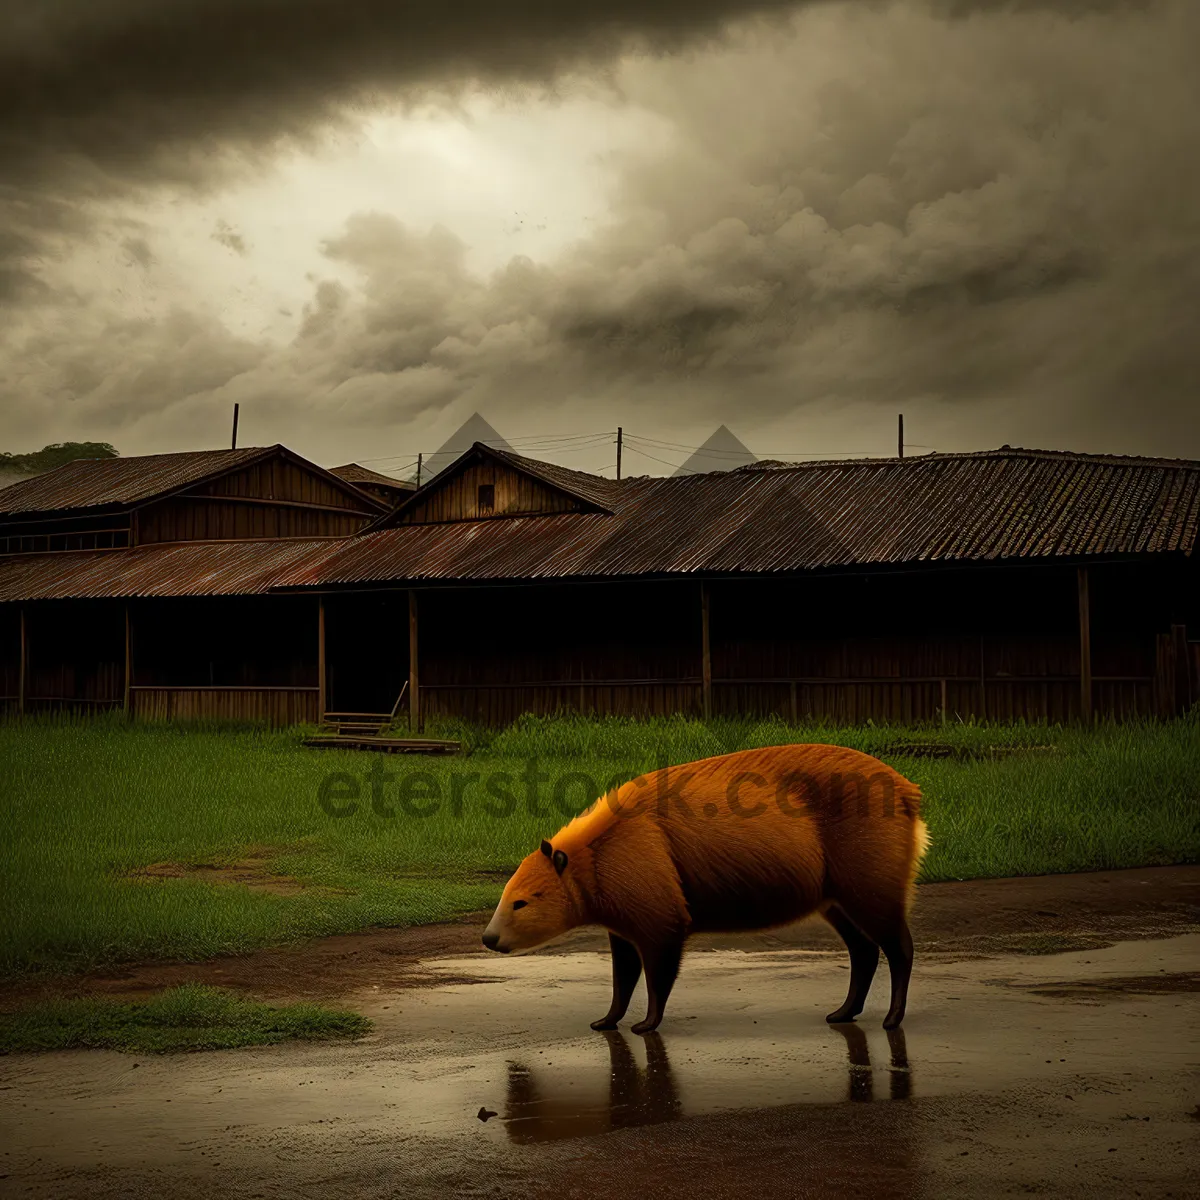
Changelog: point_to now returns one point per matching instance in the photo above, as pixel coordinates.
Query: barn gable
(485, 483)
(265, 492)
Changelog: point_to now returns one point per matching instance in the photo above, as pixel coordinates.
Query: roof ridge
(768, 465)
(525, 460)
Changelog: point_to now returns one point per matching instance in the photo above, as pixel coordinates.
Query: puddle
(744, 1031)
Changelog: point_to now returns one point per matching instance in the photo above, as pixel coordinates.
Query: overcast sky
(365, 219)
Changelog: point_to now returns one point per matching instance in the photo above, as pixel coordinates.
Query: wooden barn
(1004, 584)
(141, 583)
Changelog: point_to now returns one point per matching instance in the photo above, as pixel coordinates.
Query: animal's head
(536, 906)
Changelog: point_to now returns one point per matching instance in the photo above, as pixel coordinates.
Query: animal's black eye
(519, 904)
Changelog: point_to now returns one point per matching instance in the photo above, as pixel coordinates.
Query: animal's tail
(920, 846)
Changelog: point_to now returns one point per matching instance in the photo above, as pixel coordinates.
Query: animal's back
(762, 837)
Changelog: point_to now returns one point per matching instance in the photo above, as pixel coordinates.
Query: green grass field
(191, 1017)
(87, 803)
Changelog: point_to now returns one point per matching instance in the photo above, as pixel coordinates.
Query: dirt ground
(1034, 915)
(1052, 1046)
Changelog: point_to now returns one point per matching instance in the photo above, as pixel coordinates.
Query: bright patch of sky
(508, 178)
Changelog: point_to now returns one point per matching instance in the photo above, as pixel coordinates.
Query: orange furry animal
(744, 841)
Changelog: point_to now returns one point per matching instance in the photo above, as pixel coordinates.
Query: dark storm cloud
(872, 205)
(123, 82)
(100, 96)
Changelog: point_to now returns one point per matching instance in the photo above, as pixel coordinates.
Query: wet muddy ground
(1068, 1073)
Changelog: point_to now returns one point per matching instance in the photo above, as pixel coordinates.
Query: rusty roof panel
(242, 568)
(99, 482)
(988, 506)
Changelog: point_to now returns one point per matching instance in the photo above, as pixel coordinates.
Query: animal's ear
(547, 849)
(560, 861)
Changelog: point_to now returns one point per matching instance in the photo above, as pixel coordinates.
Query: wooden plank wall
(186, 519)
(491, 654)
(246, 659)
(271, 706)
(846, 649)
(457, 499)
(276, 498)
(279, 479)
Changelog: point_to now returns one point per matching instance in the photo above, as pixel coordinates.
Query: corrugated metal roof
(987, 506)
(98, 482)
(241, 568)
(990, 506)
(357, 473)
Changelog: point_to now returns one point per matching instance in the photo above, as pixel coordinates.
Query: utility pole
(901, 435)
(619, 436)
(235, 417)
(418, 470)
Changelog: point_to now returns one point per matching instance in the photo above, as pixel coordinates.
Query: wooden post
(705, 655)
(900, 436)
(322, 697)
(233, 441)
(128, 664)
(943, 682)
(1085, 646)
(982, 683)
(23, 668)
(414, 695)
(620, 438)
(1183, 670)
(792, 698)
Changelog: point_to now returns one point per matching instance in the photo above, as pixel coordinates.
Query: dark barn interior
(997, 643)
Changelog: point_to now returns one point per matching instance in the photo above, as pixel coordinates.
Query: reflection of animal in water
(636, 1096)
(649, 1095)
(862, 1075)
(744, 841)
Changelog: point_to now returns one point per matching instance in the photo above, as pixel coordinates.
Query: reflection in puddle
(649, 1095)
(862, 1075)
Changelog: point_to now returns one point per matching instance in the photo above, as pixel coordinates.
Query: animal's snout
(491, 940)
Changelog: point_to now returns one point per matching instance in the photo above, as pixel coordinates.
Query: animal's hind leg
(885, 925)
(898, 947)
(864, 958)
(627, 970)
(662, 969)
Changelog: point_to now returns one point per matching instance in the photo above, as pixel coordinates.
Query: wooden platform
(388, 745)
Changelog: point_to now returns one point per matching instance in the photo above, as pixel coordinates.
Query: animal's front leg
(627, 970)
(662, 969)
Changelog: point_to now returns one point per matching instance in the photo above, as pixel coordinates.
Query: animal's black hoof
(603, 1025)
(841, 1017)
(890, 1022)
(644, 1027)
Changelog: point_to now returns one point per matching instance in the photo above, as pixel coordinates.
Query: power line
(662, 445)
(560, 444)
(653, 458)
(569, 437)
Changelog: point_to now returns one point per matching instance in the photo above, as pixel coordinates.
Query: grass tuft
(191, 1017)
